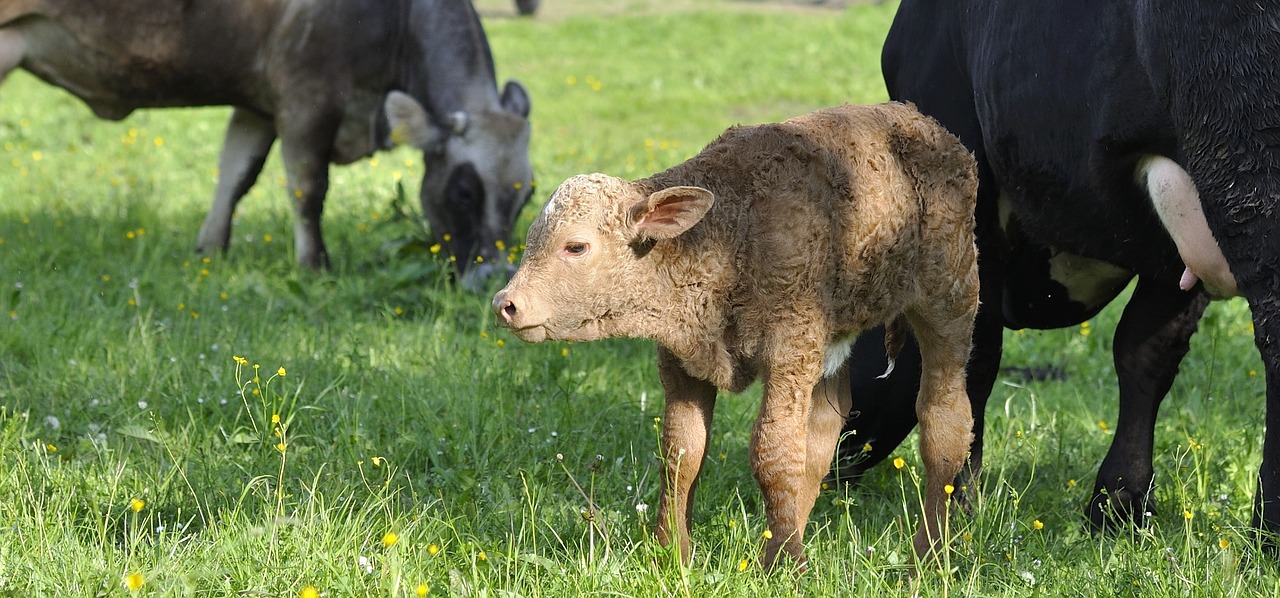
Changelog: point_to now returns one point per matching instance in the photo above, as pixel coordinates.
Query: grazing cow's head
(477, 177)
(587, 267)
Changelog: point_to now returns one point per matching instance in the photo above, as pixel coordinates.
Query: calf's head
(477, 177)
(588, 270)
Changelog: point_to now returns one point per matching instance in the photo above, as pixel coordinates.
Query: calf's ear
(668, 213)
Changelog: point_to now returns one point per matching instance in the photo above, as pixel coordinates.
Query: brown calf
(763, 257)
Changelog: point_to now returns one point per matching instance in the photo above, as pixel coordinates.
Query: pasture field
(179, 426)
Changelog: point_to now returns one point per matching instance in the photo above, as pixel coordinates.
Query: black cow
(335, 80)
(1094, 125)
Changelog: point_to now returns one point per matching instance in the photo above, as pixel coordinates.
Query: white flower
(642, 508)
(52, 423)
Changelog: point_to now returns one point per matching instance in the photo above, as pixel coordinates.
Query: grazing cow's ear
(410, 124)
(668, 213)
(515, 98)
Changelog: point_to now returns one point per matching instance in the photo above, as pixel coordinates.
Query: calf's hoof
(781, 553)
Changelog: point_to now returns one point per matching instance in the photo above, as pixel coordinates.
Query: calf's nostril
(508, 311)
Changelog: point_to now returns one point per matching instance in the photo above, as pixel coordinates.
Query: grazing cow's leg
(306, 140)
(779, 453)
(686, 428)
(244, 150)
(12, 47)
(1152, 337)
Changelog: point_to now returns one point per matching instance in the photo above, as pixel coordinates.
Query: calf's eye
(574, 248)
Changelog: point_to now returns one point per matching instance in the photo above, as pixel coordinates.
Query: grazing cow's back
(764, 256)
(1113, 140)
(335, 80)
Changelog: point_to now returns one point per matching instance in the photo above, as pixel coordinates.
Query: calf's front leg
(686, 428)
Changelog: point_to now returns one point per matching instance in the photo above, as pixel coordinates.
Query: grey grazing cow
(763, 257)
(335, 80)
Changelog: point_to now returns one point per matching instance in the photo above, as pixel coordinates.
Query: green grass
(404, 409)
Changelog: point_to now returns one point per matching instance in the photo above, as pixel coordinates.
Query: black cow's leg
(984, 366)
(1266, 504)
(884, 408)
(244, 150)
(306, 142)
(1152, 337)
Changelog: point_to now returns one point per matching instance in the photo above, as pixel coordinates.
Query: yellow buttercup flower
(421, 590)
(137, 504)
(389, 539)
(280, 372)
(899, 463)
(309, 592)
(1037, 524)
(240, 360)
(432, 549)
(134, 581)
(949, 489)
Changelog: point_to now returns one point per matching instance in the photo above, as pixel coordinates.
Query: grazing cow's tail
(895, 334)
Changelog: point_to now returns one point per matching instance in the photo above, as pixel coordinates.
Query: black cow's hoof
(1114, 509)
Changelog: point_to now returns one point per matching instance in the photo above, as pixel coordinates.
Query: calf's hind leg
(946, 420)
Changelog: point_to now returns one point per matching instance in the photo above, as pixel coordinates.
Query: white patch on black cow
(1088, 281)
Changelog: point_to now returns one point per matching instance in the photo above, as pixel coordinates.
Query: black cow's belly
(1063, 125)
